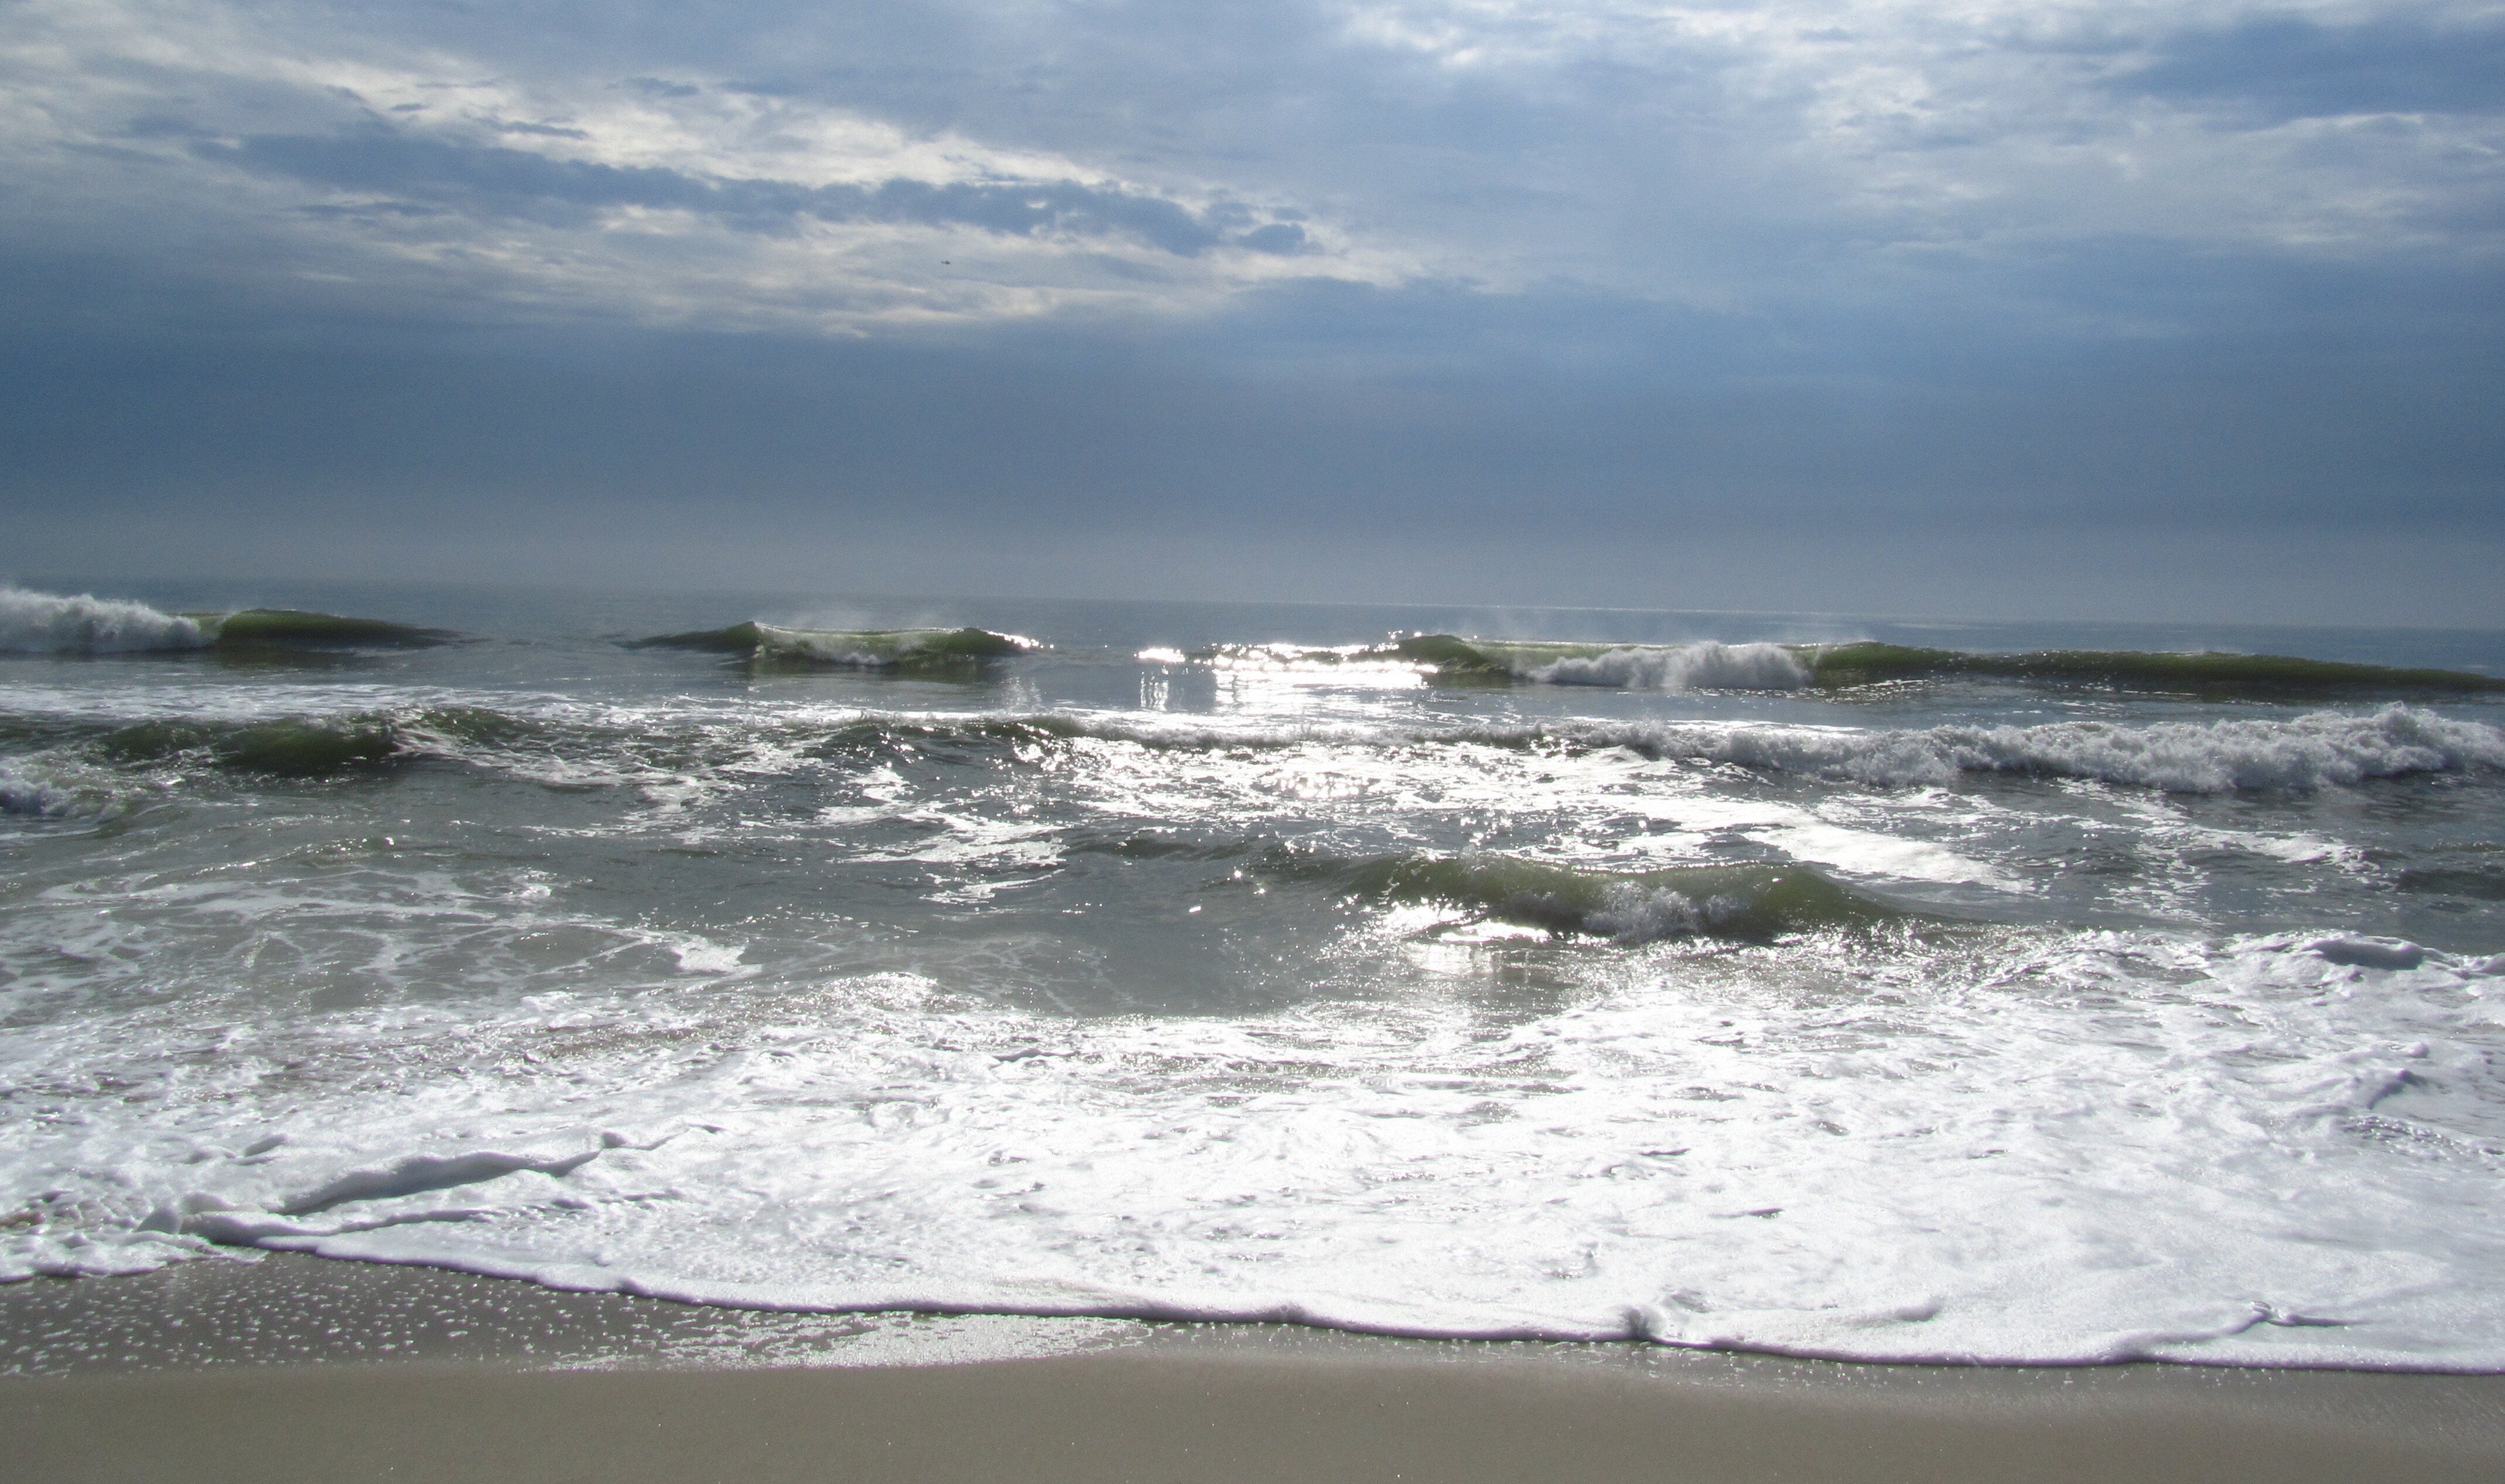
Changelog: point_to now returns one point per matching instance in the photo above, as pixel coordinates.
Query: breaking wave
(1737, 904)
(2322, 750)
(1706, 666)
(48, 624)
(52, 624)
(1710, 665)
(32, 798)
(2202, 672)
(2303, 754)
(901, 649)
(2325, 749)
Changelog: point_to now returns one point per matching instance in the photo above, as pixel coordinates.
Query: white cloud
(134, 122)
(1724, 156)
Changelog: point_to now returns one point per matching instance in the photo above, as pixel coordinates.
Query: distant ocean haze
(2006, 993)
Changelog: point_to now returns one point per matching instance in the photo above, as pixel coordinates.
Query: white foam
(36, 797)
(2089, 1147)
(50, 623)
(1705, 667)
(1632, 914)
(2320, 749)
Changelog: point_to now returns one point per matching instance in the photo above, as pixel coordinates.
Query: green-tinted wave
(294, 628)
(909, 649)
(290, 748)
(1452, 658)
(1840, 666)
(1703, 665)
(1742, 904)
(1456, 658)
(738, 639)
(473, 725)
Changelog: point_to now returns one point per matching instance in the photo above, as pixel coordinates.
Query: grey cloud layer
(2282, 68)
(1748, 156)
(1615, 270)
(498, 181)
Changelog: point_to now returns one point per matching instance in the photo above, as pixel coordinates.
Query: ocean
(1793, 983)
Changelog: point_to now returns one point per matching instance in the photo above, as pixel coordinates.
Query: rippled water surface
(1231, 962)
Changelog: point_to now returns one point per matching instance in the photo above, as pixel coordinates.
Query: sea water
(1584, 975)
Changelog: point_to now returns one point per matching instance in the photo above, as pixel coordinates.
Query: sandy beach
(297, 1368)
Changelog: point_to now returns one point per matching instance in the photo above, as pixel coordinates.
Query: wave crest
(2300, 755)
(52, 624)
(280, 747)
(895, 648)
(1738, 903)
(1705, 667)
(32, 798)
(2199, 672)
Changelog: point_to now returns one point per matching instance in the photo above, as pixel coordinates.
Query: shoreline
(299, 1367)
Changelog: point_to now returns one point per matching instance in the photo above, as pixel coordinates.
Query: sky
(2061, 308)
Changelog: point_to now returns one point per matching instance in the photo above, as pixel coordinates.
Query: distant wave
(901, 649)
(295, 628)
(1706, 666)
(53, 623)
(1710, 665)
(1864, 663)
(48, 623)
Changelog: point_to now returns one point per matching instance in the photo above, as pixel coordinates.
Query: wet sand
(279, 1370)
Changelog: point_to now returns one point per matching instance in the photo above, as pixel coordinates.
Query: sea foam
(1697, 1164)
(36, 797)
(50, 623)
(1706, 666)
(2321, 749)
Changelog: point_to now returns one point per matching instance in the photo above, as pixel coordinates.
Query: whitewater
(1993, 994)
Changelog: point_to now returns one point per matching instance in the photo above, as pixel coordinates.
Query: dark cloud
(494, 181)
(2283, 68)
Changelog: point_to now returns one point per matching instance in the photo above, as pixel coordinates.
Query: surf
(1761, 666)
(765, 645)
(1755, 903)
(1843, 666)
(83, 624)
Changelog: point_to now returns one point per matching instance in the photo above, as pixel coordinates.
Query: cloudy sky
(2065, 307)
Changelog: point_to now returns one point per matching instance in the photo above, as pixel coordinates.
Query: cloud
(2282, 67)
(884, 166)
(1615, 270)
(313, 151)
(495, 181)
